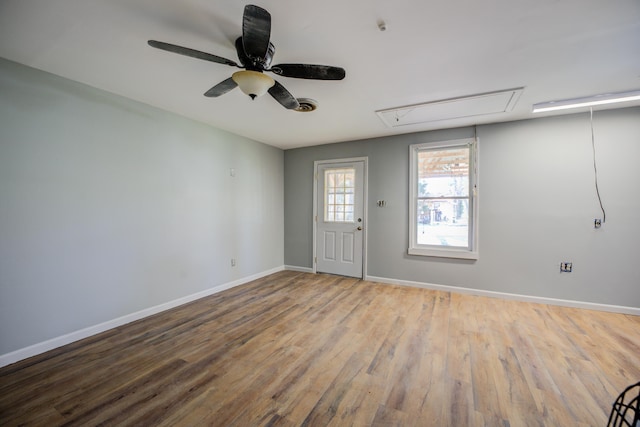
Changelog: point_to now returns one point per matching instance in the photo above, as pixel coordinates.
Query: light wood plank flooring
(297, 349)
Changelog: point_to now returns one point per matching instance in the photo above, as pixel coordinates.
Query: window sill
(444, 253)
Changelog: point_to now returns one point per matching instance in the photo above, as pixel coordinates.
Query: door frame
(365, 210)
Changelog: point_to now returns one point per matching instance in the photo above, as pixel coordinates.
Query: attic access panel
(454, 108)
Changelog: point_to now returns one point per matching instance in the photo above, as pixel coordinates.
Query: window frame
(469, 252)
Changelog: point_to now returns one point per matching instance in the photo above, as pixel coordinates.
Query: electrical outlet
(566, 267)
(233, 262)
(597, 223)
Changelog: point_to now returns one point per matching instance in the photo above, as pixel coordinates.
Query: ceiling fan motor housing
(254, 64)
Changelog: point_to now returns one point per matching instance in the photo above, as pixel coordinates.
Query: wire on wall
(595, 168)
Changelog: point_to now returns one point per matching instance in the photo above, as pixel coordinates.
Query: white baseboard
(300, 269)
(35, 349)
(515, 297)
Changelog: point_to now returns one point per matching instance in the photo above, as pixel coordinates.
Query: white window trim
(444, 252)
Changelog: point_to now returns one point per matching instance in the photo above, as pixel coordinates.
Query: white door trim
(365, 189)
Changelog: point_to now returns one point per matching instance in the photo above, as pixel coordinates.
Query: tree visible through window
(443, 199)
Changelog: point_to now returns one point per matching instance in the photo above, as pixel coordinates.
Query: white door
(340, 218)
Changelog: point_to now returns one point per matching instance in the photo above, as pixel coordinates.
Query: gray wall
(109, 207)
(537, 206)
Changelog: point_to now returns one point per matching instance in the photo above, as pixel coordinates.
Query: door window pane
(339, 189)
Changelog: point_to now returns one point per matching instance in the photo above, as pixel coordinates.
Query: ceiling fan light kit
(253, 83)
(255, 52)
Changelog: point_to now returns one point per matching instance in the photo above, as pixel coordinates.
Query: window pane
(339, 195)
(443, 222)
(443, 172)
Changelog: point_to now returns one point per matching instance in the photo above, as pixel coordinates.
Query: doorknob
(359, 228)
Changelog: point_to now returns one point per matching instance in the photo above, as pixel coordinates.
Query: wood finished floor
(297, 349)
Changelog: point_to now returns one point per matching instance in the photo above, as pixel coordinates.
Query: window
(339, 190)
(443, 199)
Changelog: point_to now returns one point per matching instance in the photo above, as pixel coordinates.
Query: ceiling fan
(255, 53)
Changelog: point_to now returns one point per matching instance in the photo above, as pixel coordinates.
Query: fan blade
(221, 88)
(309, 71)
(256, 31)
(283, 96)
(191, 52)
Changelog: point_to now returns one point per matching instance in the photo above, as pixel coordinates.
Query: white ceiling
(432, 50)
